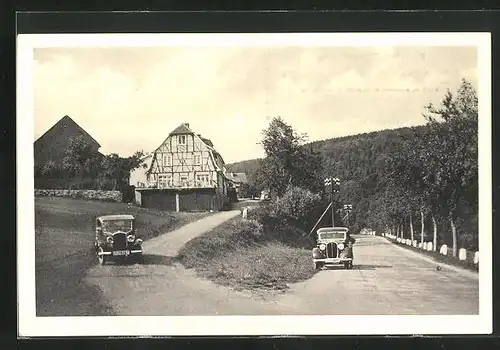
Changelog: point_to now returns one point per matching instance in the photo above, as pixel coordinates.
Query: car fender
(316, 253)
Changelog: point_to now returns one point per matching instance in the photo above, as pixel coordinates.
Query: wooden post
(321, 217)
(177, 202)
(333, 213)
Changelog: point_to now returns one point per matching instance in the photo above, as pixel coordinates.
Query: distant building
(53, 143)
(186, 173)
(237, 179)
(138, 176)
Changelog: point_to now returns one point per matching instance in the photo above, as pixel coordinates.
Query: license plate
(121, 252)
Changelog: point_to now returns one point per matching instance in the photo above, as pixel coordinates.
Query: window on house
(165, 180)
(184, 181)
(162, 181)
(197, 159)
(202, 180)
(167, 160)
(181, 140)
(169, 180)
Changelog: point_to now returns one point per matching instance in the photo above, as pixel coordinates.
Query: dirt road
(386, 279)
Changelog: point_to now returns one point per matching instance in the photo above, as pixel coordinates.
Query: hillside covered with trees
(414, 180)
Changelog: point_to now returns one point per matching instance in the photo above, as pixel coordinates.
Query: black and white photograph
(271, 183)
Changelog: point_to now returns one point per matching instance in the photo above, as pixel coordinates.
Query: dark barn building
(53, 143)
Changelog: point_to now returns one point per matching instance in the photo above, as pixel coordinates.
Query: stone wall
(108, 196)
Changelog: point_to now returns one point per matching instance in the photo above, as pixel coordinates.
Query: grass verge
(238, 255)
(445, 259)
(64, 234)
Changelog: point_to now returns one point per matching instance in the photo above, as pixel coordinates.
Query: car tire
(317, 266)
(102, 259)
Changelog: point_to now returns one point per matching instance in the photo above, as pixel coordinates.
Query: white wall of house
(138, 176)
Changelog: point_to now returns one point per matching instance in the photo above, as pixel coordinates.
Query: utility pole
(348, 209)
(332, 184)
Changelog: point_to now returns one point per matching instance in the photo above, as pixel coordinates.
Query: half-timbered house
(186, 174)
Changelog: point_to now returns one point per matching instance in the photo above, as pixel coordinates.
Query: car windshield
(117, 225)
(331, 235)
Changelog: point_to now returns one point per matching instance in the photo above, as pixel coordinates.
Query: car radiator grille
(331, 250)
(120, 241)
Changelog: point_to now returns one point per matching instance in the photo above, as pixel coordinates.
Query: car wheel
(317, 266)
(346, 265)
(101, 257)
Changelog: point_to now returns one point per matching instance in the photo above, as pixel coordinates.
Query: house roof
(237, 177)
(63, 123)
(182, 129)
(206, 141)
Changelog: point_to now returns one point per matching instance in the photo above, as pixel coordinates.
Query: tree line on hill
(416, 182)
(83, 168)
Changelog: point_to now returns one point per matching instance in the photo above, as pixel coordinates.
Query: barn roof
(64, 122)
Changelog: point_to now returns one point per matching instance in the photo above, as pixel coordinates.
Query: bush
(298, 207)
(288, 218)
(248, 191)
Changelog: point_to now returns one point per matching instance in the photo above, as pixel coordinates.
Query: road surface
(386, 280)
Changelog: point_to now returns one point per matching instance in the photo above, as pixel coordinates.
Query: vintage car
(115, 238)
(334, 246)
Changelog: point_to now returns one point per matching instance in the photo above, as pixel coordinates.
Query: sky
(130, 98)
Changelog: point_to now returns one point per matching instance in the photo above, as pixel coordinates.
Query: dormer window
(181, 139)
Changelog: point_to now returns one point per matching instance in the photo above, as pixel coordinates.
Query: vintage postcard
(259, 184)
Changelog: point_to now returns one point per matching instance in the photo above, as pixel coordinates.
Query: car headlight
(131, 238)
(322, 246)
(138, 241)
(341, 246)
(109, 240)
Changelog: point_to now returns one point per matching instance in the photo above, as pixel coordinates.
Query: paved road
(386, 279)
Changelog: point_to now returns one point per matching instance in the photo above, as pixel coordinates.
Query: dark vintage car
(115, 238)
(334, 246)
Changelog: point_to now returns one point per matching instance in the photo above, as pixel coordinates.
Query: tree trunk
(453, 235)
(435, 230)
(422, 226)
(411, 229)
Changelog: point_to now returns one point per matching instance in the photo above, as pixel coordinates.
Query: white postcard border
(31, 326)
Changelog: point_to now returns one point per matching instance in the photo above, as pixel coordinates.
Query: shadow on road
(358, 267)
(155, 259)
(371, 267)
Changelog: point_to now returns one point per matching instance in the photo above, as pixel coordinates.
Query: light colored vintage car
(334, 246)
(115, 238)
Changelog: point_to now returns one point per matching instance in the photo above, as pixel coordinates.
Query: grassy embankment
(63, 249)
(237, 254)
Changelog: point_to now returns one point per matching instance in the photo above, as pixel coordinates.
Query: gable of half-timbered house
(185, 159)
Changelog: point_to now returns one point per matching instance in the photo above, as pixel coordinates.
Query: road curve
(162, 287)
(386, 280)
